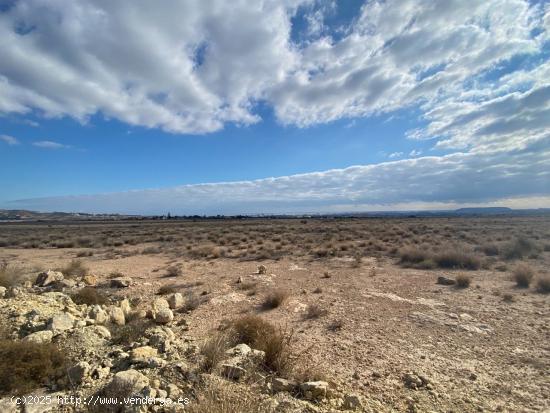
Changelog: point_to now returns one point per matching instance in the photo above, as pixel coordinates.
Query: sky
(292, 106)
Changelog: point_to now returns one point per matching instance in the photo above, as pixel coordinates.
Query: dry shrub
(543, 285)
(315, 311)
(519, 248)
(214, 349)
(463, 281)
(192, 301)
(416, 258)
(10, 275)
(129, 332)
(336, 325)
(89, 296)
(75, 268)
(26, 366)
(274, 299)
(221, 398)
(262, 335)
(457, 258)
(167, 289)
(173, 271)
(523, 274)
(508, 298)
(489, 249)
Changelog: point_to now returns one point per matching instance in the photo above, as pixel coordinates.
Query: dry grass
(543, 285)
(89, 296)
(213, 350)
(519, 248)
(130, 332)
(523, 274)
(315, 311)
(463, 281)
(30, 366)
(221, 398)
(75, 268)
(167, 289)
(10, 275)
(274, 299)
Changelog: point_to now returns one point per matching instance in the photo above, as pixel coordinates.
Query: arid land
(352, 304)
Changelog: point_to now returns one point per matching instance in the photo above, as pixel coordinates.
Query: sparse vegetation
(167, 289)
(10, 275)
(463, 281)
(274, 299)
(523, 274)
(315, 311)
(543, 285)
(519, 248)
(89, 296)
(26, 366)
(75, 268)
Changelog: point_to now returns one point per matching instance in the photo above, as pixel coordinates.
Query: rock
(101, 331)
(117, 316)
(125, 307)
(140, 353)
(164, 316)
(174, 391)
(232, 369)
(159, 303)
(314, 390)
(98, 314)
(149, 392)
(3, 291)
(100, 372)
(445, 281)
(60, 285)
(40, 337)
(175, 300)
(415, 381)
(13, 292)
(279, 384)
(466, 317)
(352, 402)
(89, 280)
(79, 372)
(48, 277)
(127, 382)
(61, 322)
(239, 350)
(121, 282)
(262, 269)
(240, 280)
(160, 337)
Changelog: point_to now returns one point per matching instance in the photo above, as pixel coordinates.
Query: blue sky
(265, 108)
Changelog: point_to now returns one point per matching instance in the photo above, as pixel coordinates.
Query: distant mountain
(484, 210)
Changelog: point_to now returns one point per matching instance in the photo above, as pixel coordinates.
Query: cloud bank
(475, 72)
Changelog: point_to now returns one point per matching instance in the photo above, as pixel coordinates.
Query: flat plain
(375, 314)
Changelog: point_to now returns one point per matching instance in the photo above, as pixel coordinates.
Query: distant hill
(484, 211)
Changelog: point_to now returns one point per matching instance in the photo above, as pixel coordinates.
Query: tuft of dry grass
(89, 296)
(213, 350)
(167, 289)
(519, 248)
(173, 271)
(523, 274)
(129, 332)
(463, 281)
(75, 268)
(31, 365)
(315, 311)
(10, 275)
(274, 299)
(221, 398)
(543, 285)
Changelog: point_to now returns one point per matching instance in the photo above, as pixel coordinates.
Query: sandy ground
(478, 351)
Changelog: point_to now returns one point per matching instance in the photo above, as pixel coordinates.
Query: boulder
(117, 316)
(3, 291)
(175, 300)
(98, 314)
(163, 316)
(40, 337)
(127, 382)
(232, 368)
(79, 372)
(140, 353)
(159, 303)
(314, 390)
(46, 278)
(121, 282)
(279, 384)
(125, 307)
(239, 350)
(89, 280)
(61, 322)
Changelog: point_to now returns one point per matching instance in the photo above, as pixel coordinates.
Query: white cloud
(395, 155)
(10, 140)
(50, 145)
(459, 178)
(415, 152)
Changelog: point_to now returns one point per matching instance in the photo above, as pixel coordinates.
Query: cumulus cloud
(50, 145)
(458, 178)
(10, 140)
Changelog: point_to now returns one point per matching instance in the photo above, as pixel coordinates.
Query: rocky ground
(375, 336)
